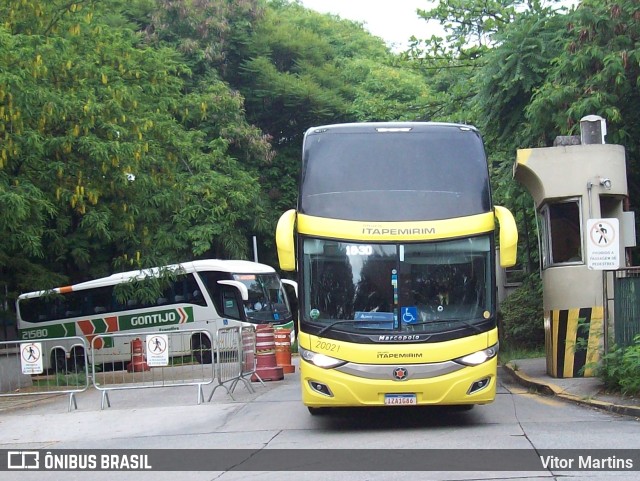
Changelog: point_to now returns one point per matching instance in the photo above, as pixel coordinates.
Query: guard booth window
(561, 233)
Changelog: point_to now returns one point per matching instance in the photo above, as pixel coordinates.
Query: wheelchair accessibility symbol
(409, 314)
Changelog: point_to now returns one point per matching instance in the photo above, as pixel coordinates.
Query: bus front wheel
(201, 348)
(317, 411)
(461, 407)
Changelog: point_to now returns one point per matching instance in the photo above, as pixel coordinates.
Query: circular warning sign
(602, 233)
(157, 344)
(603, 245)
(157, 350)
(31, 358)
(31, 352)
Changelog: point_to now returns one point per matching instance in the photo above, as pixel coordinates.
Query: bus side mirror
(285, 241)
(508, 236)
(244, 292)
(293, 284)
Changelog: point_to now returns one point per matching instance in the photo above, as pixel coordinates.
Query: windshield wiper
(442, 321)
(335, 323)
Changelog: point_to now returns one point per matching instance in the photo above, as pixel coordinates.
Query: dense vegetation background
(136, 133)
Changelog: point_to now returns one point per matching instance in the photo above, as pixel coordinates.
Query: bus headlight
(320, 360)
(478, 357)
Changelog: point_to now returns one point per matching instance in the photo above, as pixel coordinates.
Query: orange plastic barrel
(282, 338)
(138, 362)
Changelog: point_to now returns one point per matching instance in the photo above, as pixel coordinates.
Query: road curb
(551, 389)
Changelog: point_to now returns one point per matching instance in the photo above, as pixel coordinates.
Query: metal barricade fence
(228, 359)
(149, 359)
(626, 312)
(248, 359)
(43, 367)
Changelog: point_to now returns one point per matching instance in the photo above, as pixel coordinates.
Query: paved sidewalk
(582, 390)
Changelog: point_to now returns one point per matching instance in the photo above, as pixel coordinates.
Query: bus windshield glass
(417, 287)
(267, 298)
(419, 174)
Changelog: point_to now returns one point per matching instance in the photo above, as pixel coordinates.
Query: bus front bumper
(331, 388)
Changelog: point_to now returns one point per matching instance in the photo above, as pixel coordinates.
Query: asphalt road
(273, 418)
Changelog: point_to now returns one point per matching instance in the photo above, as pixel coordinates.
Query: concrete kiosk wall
(593, 178)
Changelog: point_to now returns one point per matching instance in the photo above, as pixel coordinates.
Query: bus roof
(360, 126)
(231, 266)
(394, 172)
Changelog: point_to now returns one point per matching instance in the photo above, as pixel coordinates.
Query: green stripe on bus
(99, 326)
(142, 320)
(156, 318)
(64, 329)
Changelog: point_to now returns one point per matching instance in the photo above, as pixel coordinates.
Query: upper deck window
(430, 172)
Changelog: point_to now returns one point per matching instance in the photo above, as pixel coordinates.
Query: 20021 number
(327, 346)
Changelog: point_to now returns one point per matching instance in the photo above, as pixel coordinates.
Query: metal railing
(626, 307)
(249, 358)
(122, 361)
(145, 360)
(44, 367)
(230, 359)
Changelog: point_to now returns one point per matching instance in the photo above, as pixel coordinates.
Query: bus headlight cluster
(320, 360)
(477, 358)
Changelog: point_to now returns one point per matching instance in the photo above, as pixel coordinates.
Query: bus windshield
(414, 287)
(267, 300)
(415, 173)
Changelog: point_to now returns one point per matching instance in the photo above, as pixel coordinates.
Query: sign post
(603, 246)
(31, 358)
(157, 350)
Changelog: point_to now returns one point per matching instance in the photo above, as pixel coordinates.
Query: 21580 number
(35, 334)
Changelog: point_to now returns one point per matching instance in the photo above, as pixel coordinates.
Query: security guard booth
(576, 181)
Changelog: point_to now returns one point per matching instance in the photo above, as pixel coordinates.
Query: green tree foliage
(297, 69)
(291, 70)
(512, 71)
(205, 103)
(124, 137)
(112, 156)
(521, 316)
(596, 73)
(385, 92)
(451, 63)
(620, 369)
(474, 23)
(598, 67)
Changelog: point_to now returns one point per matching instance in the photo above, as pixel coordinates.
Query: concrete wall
(571, 287)
(575, 171)
(573, 293)
(556, 172)
(11, 370)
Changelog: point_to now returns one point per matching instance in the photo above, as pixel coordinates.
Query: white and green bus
(202, 295)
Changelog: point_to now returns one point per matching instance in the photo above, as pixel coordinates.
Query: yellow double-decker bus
(393, 241)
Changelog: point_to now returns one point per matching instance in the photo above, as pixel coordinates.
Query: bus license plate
(400, 399)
